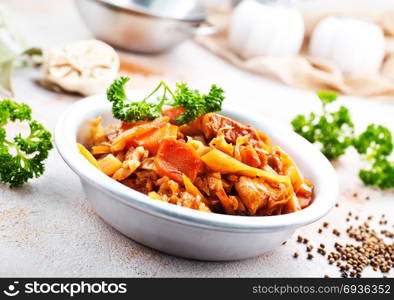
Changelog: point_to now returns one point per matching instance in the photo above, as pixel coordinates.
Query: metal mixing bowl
(148, 26)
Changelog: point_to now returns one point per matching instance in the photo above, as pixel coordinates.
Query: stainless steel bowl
(183, 231)
(148, 26)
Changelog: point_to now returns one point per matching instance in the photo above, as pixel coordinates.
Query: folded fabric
(308, 72)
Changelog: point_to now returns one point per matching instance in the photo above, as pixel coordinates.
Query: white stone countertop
(47, 228)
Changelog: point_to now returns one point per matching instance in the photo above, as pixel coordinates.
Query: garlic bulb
(85, 67)
(356, 47)
(261, 29)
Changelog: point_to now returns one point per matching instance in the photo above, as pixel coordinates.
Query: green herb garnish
(21, 158)
(376, 145)
(193, 103)
(334, 133)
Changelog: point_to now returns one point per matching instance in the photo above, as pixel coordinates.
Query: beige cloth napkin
(307, 72)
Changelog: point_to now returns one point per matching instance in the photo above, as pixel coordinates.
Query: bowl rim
(135, 9)
(66, 132)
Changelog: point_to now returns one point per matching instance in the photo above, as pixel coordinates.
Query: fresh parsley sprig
(334, 132)
(376, 145)
(193, 103)
(22, 158)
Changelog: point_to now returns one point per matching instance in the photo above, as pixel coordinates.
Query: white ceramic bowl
(182, 231)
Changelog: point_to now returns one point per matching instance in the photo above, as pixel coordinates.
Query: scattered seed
(373, 251)
(368, 249)
(336, 232)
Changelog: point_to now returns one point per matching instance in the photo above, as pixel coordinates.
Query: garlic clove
(259, 29)
(239, 28)
(355, 46)
(85, 67)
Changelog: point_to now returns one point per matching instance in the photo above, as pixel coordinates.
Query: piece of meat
(275, 162)
(188, 130)
(202, 184)
(253, 194)
(250, 157)
(215, 183)
(211, 123)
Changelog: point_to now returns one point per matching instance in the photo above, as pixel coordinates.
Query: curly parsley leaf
(333, 131)
(380, 174)
(326, 97)
(376, 145)
(22, 158)
(193, 103)
(375, 141)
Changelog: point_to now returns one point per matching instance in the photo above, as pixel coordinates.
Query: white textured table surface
(48, 229)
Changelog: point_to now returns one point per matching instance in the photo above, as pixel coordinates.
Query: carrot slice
(127, 125)
(175, 158)
(121, 141)
(173, 112)
(151, 140)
